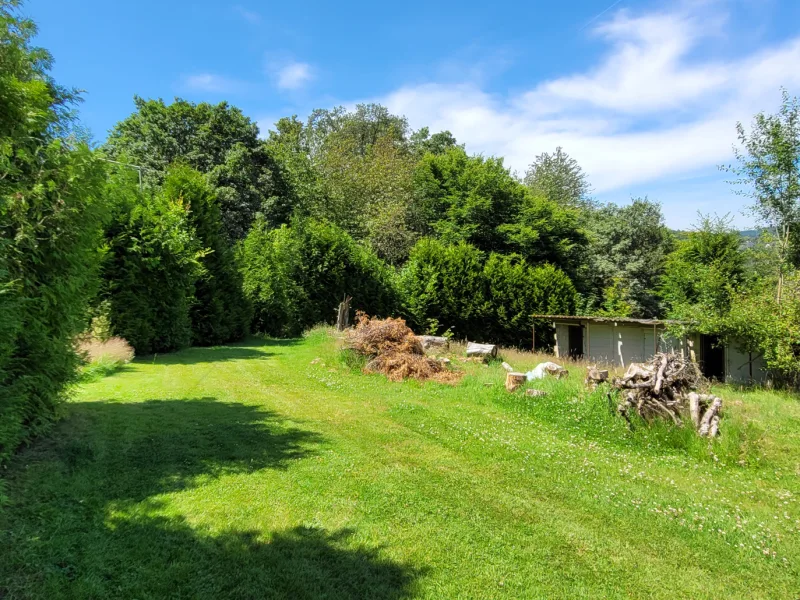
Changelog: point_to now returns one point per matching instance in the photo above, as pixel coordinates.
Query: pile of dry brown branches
(394, 350)
(667, 387)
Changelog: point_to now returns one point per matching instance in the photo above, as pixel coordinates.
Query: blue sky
(644, 94)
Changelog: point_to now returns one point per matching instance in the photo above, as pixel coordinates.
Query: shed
(620, 341)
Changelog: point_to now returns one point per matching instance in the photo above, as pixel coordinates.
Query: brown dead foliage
(395, 351)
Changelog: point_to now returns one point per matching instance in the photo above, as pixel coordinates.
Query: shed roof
(594, 319)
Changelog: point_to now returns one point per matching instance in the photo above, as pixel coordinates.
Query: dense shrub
(220, 313)
(516, 290)
(150, 269)
(443, 288)
(295, 276)
(489, 299)
(51, 215)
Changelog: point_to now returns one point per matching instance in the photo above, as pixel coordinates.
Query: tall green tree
(51, 218)
(220, 313)
(150, 268)
(768, 171)
(704, 271)
(461, 198)
(627, 256)
(559, 178)
(217, 140)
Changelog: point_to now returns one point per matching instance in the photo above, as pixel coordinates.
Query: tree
(627, 254)
(545, 231)
(422, 142)
(466, 198)
(769, 170)
(220, 313)
(150, 268)
(51, 219)
(296, 275)
(214, 139)
(559, 178)
(704, 271)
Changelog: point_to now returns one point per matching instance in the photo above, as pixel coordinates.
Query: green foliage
(457, 288)
(548, 231)
(559, 178)
(445, 283)
(628, 250)
(151, 267)
(220, 313)
(703, 272)
(463, 198)
(51, 216)
(217, 140)
(515, 291)
(296, 276)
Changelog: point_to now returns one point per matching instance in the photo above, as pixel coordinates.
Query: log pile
(666, 387)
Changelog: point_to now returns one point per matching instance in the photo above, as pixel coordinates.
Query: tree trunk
(481, 350)
(343, 314)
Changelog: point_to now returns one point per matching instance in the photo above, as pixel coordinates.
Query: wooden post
(343, 315)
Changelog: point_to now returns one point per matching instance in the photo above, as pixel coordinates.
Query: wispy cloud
(209, 82)
(290, 74)
(649, 109)
(248, 15)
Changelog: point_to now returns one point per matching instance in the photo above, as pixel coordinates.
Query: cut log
(481, 350)
(713, 431)
(705, 422)
(514, 380)
(660, 375)
(535, 393)
(595, 376)
(434, 342)
(694, 408)
(507, 367)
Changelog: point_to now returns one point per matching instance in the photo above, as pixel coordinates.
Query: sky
(644, 94)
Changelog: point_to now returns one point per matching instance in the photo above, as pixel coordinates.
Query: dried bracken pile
(394, 350)
(666, 387)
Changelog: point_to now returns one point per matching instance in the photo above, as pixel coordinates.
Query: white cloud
(290, 74)
(648, 110)
(208, 82)
(250, 16)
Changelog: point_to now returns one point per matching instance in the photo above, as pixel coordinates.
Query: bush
(488, 299)
(220, 313)
(443, 287)
(296, 276)
(150, 269)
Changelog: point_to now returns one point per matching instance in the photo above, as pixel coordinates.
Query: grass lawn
(256, 471)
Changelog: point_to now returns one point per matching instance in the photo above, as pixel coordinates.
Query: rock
(535, 393)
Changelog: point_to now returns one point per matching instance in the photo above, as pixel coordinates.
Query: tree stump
(514, 380)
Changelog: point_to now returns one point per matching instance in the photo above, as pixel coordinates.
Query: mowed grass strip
(272, 469)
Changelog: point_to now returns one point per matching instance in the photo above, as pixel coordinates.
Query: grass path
(256, 471)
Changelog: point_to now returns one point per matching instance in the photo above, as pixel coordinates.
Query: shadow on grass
(252, 347)
(83, 519)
